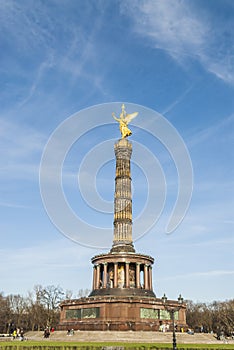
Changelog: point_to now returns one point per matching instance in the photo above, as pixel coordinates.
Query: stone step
(128, 336)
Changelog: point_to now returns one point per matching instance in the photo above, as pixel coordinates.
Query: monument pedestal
(117, 313)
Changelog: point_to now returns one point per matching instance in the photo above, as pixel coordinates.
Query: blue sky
(173, 57)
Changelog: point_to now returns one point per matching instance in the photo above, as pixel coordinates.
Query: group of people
(47, 331)
(70, 332)
(18, 334)
(164, 327)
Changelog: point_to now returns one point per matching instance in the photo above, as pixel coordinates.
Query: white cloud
(201, 274)
(42, 46)
(24, 26)
(223, 126)
(181, 29)
(42, 264)
(41, 71)
(178, 100)
(13, 205)
(21, 147)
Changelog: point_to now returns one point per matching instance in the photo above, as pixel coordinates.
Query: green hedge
(67, 346)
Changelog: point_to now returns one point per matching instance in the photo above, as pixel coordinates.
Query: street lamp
(172, 310)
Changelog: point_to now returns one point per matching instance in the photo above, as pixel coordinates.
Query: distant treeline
(36, 311)
(215, 317)
(40, 309)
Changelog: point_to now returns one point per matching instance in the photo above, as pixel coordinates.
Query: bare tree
(36, 312)
(5, 315)
(223, 316)
(17, 305)
(68, 294)
(50, 297)
(216, 316)
(83, 293)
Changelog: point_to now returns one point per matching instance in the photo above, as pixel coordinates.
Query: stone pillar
(97, 276)
(182, 315)
(127, 275)
(150, 278)
(94, 277)
(105, 275)
(146, 277)
(138, 284)
(123, 199)
(115, 275)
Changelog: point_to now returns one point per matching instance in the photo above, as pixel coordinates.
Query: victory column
(122, 296)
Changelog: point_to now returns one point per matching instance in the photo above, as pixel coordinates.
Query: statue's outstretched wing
(130, 117)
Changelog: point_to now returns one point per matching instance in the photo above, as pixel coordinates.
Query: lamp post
(172, 310)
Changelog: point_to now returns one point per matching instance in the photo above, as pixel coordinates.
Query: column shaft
(123, 198)
(146, 277)
(127, 274)
(115, 275)
(98, 276)
(105, 275)
(138, 285)
(150, 278)
(94, 277)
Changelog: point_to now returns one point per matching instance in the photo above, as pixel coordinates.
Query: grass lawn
(50, 345)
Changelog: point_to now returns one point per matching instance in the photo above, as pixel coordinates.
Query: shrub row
(77, 347)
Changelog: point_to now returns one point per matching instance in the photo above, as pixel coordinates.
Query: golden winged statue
(123, 121)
